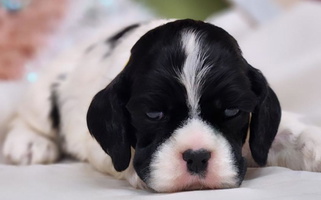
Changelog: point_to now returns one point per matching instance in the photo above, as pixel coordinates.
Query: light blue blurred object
(106, 3)
(32, 77)
(14, 5)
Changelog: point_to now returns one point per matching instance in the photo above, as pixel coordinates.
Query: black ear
(265, 118)
(108, 121)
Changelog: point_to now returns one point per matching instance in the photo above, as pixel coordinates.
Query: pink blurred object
(25, 32)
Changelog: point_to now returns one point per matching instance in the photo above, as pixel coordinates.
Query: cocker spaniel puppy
(167, 105)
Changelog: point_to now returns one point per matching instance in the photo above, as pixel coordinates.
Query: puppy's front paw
(24, 147)
(309, 144)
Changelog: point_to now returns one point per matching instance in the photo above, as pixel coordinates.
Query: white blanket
(288, 51)
(79, 181)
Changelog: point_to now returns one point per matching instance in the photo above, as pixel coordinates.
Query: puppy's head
(185, 102)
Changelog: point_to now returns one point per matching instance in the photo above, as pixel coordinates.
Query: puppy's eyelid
(231, 112)
(158, 115)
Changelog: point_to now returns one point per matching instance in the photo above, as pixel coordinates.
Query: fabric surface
(79, 181)
(288, 51)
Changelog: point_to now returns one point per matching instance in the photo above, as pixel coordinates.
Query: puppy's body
(52, 118)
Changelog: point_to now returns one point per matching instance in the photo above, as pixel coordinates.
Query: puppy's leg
(24, 146)
(296, 145)
(31, 138)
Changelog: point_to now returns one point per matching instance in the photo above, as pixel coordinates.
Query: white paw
(24, 147)
(309, 144)
(297, 145)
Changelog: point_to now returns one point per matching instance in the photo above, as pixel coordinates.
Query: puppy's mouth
(201, 183)
(188, 181)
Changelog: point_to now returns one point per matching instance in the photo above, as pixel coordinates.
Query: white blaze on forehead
(193, 71)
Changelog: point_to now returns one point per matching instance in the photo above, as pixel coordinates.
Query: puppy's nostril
(189, 161)
(196, 160)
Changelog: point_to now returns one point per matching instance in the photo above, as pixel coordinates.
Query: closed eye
(155, 115)
(231, 112)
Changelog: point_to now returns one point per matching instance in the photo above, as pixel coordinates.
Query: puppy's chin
(188, 183)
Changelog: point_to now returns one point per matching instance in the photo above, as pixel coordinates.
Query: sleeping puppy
(170, 105)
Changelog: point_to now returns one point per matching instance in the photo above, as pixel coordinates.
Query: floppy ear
(108, 121)
(265, 118)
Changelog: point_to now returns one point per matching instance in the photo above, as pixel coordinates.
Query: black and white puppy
(171, 103)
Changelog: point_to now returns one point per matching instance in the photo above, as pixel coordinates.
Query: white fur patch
(194, 71)
(169, 172)
(297, 145)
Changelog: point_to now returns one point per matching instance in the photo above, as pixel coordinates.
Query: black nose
(197, 160)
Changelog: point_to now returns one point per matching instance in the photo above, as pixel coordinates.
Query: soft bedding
(288, 51)
(79, 181)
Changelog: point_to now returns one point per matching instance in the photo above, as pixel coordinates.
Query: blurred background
(36, 30)
(280, 37)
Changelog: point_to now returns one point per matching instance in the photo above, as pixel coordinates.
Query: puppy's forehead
(168, 35)
(182, 53)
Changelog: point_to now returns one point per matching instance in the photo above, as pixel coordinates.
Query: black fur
(117, 115)
(115, 125)
(265, 118)
(115, 38)
(54, 113)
